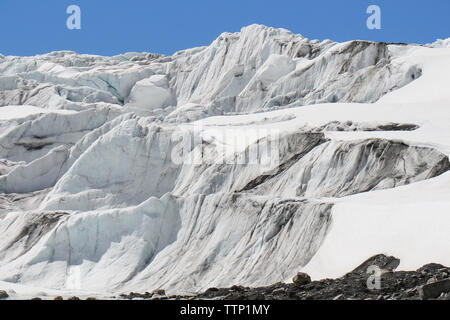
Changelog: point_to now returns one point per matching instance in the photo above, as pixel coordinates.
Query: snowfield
(242, 162)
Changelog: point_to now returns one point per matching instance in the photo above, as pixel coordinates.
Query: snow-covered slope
(237, 163)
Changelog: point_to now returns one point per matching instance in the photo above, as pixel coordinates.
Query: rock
(256, 296)
(384, 272)
(91, 298)
(58, 298)
(411, 292)
(237, 288)
(3, 294)
(434, 290)
(431, 280)
(36, 298)
(159, 292)
(279, 291)
(301, 279)
(74, 298)
(395, 296)
(385, 263)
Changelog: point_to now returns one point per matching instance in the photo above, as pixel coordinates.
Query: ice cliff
(237, 163)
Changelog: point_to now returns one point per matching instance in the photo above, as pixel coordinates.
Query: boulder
(301, 279)
(3, 294)
(435, 289)
(385, 263)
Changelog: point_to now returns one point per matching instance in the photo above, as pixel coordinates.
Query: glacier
(242, 162)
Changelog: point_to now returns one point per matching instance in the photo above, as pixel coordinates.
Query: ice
(151, 93)
(242, 162)
(441, 43)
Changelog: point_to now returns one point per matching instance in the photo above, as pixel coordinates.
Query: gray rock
(301, 279)
(385, 263)
(279, 291)
(434, 290)
(3, 294)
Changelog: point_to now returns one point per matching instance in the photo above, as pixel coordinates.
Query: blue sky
(31, 27)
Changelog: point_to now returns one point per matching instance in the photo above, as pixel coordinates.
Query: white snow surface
(441, 43)
(242, 162)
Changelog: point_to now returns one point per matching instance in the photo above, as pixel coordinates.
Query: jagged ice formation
(237, 163)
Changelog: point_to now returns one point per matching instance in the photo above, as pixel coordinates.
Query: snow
(441, 43)
(242, 162)
(20, 112)
(410, 222)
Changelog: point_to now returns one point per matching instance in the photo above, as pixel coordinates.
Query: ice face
(236, 163)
